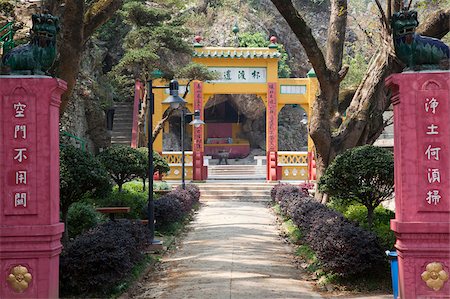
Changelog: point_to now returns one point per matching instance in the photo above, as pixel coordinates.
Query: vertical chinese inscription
(198, 105)
(18, 115)
(20, 155)
(433, 136)
(272, 118)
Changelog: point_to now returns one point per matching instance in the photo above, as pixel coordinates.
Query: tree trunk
(119, 185)
(370, 210)
(143, 184)
(70, 48)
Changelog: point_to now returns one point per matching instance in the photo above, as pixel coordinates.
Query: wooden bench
(259, 160)
(112, 211)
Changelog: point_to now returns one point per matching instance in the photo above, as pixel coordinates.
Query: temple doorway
(235, 129)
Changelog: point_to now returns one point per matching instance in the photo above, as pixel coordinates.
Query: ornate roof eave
(240, 53)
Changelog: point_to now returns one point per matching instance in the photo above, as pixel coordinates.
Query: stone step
(123, 123)
(236, 190)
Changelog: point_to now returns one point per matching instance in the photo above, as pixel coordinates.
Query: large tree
(363, 123)
(79, 19)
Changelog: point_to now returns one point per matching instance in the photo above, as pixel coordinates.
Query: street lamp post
(176, 101)
(150, 98)
(195, 122)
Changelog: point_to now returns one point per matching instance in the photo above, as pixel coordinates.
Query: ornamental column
(30, 230)
(199, 171)
(272, 132)
(422, 182)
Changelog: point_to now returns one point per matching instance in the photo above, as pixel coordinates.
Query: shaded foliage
(340, 246)
(98, 260)
(80, 174)
(122, 162)
(363, 174)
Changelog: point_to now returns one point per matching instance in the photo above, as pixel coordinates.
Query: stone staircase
(123, 123)
(235, 191)
(236, 172)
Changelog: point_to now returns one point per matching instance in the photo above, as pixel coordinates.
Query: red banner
(272, 118)
(198, 105)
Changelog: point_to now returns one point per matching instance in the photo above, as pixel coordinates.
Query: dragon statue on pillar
(417, 52)
(37, 56)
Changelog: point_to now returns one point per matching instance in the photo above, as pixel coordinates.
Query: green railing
(74, 139)
(7, 37)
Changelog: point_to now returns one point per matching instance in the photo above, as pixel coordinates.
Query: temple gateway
(242, 71)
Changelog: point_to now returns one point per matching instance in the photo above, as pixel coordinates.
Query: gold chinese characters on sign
(19, 278)
(435, 276)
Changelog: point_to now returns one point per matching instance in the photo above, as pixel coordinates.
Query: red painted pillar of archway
(30, 230)
(199, 171)
(272, 132)
(422, 182)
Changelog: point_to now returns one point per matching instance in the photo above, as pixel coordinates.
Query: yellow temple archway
(242, 71)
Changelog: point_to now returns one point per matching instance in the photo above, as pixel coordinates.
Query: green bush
(134, 187)
(80, 174)
(137, 201)
(82, 217)
(98, 260)
(381, 222)
(159, 164)
(123, 163)
(161, 186)
(363, 174)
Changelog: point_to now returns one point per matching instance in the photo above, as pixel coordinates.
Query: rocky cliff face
(85, 116)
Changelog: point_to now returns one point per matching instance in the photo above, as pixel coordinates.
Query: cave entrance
(235, 129)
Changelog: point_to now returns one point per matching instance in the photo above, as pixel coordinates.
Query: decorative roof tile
(245, 53)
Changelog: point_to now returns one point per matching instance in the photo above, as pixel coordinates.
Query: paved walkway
(232, 251)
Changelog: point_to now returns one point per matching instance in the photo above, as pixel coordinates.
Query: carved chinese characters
(240, 74)
(19, 115)
(198, 105)
(272, 118)
(432, 135)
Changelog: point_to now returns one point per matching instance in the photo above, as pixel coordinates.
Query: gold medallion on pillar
(19, 278)
(435, 276)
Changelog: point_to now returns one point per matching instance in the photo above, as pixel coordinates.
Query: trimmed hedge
(184, 197)
(340, 246)
(98, 260)
(81, 218)
(194, 191)
(168, 210)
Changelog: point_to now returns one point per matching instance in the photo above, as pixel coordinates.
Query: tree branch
(384, 19)
(437, 25)
(304, 34)
(336, 35)
(98, 13)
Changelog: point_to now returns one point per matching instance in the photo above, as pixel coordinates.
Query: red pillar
(30, 230)
(422, 182)
(272, 132)
(199, 171)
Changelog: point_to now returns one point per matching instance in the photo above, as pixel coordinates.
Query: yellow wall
(260, 89)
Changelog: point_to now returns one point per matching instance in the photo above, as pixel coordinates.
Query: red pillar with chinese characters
(30, 230)
(199, 171)
(272, 132)
(422, 182)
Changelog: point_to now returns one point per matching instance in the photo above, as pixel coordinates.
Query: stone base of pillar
(272, 166)
(36, 249)
(423, 252)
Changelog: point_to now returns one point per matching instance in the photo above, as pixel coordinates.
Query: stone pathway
(232, 251)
